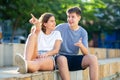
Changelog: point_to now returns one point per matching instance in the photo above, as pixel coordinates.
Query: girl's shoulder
(56, 32)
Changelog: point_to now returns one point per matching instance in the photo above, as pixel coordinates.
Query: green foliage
(96, 14)
(110, 18)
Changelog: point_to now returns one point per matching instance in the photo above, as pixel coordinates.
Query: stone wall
(108, 59)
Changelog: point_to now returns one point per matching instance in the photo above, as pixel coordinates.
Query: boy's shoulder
(62, 24)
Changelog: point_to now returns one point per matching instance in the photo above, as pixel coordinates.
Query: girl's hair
(76, 10)
(44, 19)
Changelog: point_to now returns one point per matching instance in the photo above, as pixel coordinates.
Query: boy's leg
(63, 67)
(85, 61)
(91, 62)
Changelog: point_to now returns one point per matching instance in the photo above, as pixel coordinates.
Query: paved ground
(9, 72)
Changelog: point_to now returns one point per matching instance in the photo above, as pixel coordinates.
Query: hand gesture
(79, 43)
(34, 20)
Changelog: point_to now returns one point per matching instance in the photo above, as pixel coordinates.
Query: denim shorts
(53, 57)
(74, 61)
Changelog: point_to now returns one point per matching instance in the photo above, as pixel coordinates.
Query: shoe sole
(21, 63)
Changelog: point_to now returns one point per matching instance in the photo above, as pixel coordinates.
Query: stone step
(9, 50)
(103, 53)
(109, 69)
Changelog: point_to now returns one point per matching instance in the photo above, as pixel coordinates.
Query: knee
(93, 58)
(61, 60)
(32, 69)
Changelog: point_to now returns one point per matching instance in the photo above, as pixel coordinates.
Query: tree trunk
(14, 29)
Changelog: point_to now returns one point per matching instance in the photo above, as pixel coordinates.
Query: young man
(74, 38)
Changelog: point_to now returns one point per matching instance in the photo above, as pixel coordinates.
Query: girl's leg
(30, 51)
(33, 63)
(41, 64)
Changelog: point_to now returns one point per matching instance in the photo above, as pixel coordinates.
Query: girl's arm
(54, 51)
(37, 25)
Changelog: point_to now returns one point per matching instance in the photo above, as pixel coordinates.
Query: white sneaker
(21, 63)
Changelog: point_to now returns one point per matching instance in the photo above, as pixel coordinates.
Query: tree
(18, 12)
(96, 14)
(110, 15)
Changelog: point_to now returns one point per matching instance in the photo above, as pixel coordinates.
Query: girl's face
(73, 19)
(50, 25)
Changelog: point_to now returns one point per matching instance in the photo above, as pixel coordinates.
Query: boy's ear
(79, 17)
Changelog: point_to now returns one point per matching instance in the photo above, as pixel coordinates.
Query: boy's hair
(76, 10)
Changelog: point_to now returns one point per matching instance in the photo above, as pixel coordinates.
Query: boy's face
(73, 19)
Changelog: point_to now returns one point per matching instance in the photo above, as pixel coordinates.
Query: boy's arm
(83, 49)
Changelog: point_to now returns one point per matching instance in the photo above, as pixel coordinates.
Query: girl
(41, 45)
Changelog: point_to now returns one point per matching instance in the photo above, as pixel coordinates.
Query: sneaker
(21, 63)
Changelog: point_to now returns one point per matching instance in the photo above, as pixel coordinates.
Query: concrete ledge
(103, 53)
(99, 52)
(109, 65)
(9, 50)
(10, 73)
(1, 55)
(108, 69)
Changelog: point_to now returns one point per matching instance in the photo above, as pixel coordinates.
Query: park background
(101, 19)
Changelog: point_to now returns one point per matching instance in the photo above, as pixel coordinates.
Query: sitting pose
(74, 38)
(42, 45)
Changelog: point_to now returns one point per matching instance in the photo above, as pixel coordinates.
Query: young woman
(41, 45)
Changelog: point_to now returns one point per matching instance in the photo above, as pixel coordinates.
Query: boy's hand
(79, 43)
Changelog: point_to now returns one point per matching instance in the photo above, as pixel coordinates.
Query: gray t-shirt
(70, 37)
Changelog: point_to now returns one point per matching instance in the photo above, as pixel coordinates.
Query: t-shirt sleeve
(85, 39)
(59, 27)
(58, 36)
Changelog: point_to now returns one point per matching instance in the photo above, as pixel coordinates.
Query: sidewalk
(10, 73)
